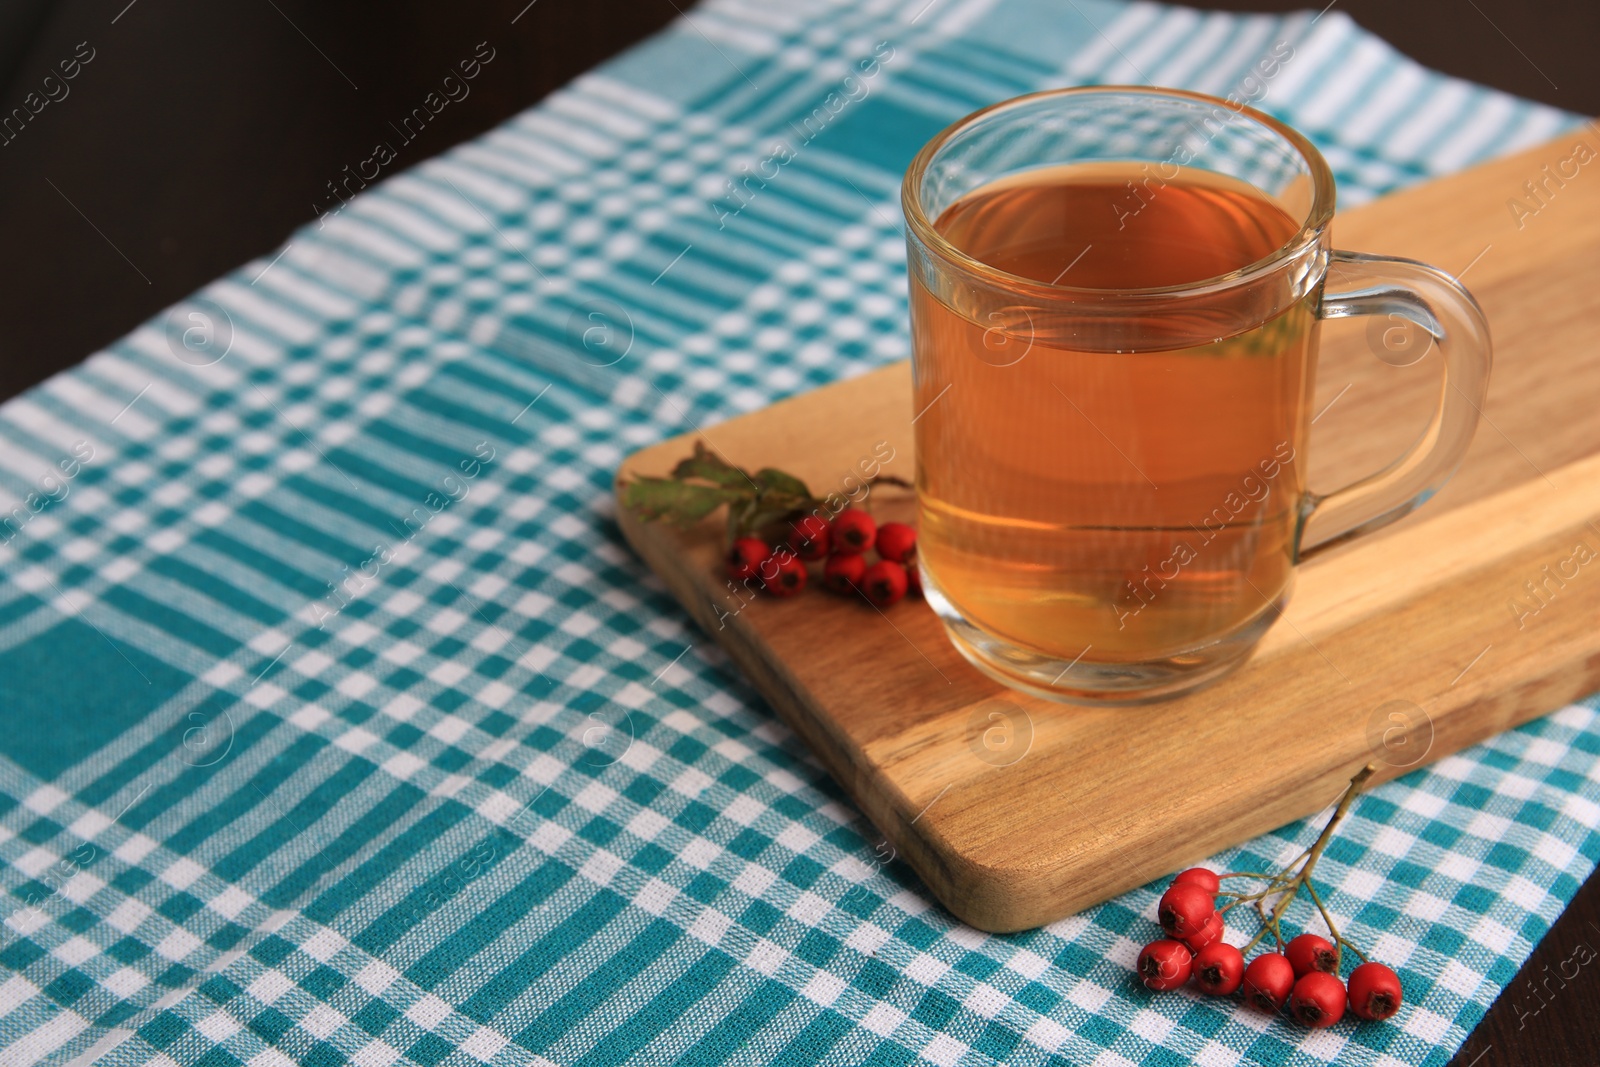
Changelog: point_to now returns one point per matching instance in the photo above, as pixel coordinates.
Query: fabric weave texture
(338, 724)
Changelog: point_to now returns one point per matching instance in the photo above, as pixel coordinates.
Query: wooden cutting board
(1402, 647)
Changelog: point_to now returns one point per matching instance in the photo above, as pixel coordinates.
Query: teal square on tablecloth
(67, 692)
(880, 131)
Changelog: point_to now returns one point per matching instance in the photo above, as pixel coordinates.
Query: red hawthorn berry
(1318, 999)
(746, 557)
(1204, 878)
(896, 541)
(1184, 909)
(1374, 991)
(1209, 934)
(1308, 953)
(842, 574)
(913, 577)
(1164, 965)
(884, 583)
(1218, 969)
(789, 579)
(810, 537)
(1268, 981)
(853, 531)
(768, 571)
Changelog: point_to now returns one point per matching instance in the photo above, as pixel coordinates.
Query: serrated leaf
(681, 503)
(759, 505)
(777, 482)
(708, 466)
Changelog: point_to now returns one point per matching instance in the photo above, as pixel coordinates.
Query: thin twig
(1297, 873)
(1338, 938)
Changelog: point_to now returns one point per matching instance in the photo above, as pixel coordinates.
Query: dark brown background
(203, 132)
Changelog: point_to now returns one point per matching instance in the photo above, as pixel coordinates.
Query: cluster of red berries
(781, 569)
(1305, 976)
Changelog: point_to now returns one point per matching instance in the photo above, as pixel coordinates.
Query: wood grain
(1077, 804)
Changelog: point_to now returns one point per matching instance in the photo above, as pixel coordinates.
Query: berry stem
(1269, 924)
(1338, 814)
(1297, 873)
(1338, 938)
(1292, 864)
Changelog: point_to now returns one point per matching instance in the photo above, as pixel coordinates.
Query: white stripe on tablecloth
(1317, 46)
(1392, 96)
(1146, 55)
(1335, 98)
(1102, 50)
(1489, 119)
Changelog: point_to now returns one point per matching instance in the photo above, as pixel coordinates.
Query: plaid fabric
(340, 726)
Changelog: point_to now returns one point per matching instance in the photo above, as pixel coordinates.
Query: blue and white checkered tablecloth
(337, 724)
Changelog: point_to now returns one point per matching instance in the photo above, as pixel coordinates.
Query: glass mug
(1115, 298)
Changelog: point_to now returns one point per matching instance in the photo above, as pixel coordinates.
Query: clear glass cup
(1110, 461)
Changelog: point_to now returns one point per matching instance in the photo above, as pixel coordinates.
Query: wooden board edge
(999, 898)
(887, 809)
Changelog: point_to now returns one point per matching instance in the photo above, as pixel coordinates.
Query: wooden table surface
(201, 134)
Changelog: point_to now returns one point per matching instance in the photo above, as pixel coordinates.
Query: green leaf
(759, 505)
(708, 466)
(772, 480)
(681, 503)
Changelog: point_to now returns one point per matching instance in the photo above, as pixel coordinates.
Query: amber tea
(1135, 501)
(1116, 294)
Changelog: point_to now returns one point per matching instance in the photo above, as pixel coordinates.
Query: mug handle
(1445, 312)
